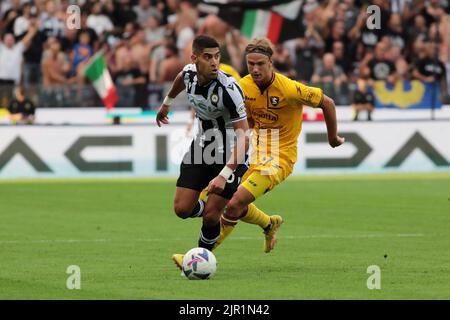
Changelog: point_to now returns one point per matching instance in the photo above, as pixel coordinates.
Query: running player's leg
(187, 203)
(234, 210)
(210, 231)
(241, 207)
(192, 180)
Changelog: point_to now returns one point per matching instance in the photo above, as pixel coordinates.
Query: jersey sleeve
(302, 94)
(233, 100)
(188, 72)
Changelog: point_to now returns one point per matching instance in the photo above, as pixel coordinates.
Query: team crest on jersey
(241, 109)
(214, 98)
(274, 100)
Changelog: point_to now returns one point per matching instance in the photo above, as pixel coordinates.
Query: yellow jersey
(230, 70)
(277, 116)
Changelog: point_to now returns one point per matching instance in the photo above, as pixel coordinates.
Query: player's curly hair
(260, 45)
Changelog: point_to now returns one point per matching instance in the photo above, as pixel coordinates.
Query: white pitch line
(317, 236)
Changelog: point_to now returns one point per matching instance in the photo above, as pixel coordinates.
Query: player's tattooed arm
(329, 112)
(177, 87)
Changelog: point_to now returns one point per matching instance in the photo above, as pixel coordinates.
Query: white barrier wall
(147, 151)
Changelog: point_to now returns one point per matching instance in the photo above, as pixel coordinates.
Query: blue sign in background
(408, 94)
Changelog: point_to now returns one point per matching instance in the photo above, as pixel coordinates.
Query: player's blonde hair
(260, 45)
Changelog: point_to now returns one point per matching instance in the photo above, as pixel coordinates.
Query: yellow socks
(226, 227)
(256, 216)
(203, 195)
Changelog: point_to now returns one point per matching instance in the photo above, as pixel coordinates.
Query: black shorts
(198, 176)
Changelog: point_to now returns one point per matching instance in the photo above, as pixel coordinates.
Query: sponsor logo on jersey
(250, 98)
(266, 116)
(274, 100)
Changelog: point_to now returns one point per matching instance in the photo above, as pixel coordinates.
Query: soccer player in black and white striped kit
(216, 158)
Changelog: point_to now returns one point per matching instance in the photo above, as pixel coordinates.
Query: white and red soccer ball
(199, 264)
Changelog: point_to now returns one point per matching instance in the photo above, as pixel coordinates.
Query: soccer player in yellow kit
(274, 105)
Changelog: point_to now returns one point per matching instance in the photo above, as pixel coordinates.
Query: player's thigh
(256, 184)
(185, 201)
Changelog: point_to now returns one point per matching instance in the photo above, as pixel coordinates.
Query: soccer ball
(199, 264)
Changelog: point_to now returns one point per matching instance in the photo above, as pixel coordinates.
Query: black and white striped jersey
(217, 104)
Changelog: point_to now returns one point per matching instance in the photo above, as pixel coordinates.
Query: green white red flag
(98, 73)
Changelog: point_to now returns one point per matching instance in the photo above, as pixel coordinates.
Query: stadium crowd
(147, 42)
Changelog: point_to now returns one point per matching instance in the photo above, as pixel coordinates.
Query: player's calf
(210, 231)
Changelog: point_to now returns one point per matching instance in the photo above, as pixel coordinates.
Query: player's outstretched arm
(177, 87)
(217, 185)
(329, 113)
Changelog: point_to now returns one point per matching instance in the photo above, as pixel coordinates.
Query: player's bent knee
(234, 209)
(182, 211)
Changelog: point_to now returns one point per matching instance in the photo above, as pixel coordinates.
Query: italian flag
(278, 23)
(99, 75)
(262, 23)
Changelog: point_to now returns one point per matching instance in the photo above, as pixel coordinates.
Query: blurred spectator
(307, 48)
(11, 55)
(171, 65)
(430, 69)
(363, 100)
(144, 10)
(230, 41)
(22, 22)
(340, 58)
(329, 77)
(140, 50)
(395, 31)
(32, 57)
(123, 13)
(10, 11)
(348, 9)
(282, 61)
(154, 32)
(184, 30)
(378, 66)
(433, 11)
(129, 81)
(52, 20)
(418, 30)
(98, 21)
(82, 51)
(21, 110)
(337, 34)
(54, 67)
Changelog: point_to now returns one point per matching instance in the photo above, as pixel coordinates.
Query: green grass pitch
(122, 233)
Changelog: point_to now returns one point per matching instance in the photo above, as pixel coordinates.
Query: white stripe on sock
(208, 241)
(200, 211)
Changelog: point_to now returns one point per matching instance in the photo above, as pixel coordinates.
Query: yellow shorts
(260, 179)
